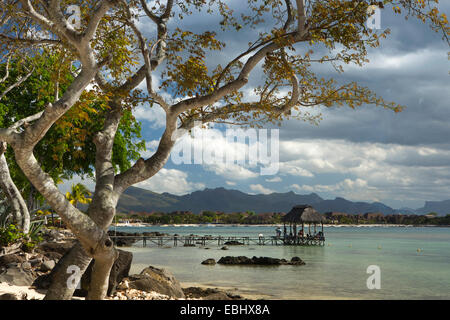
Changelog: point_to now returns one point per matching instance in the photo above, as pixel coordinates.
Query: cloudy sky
(368, 154)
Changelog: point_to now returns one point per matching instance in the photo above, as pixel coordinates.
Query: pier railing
(193, 240)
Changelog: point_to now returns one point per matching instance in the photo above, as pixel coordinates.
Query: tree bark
(18, 205)
(59, 289)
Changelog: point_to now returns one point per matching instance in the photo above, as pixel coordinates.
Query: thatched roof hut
(303, 214)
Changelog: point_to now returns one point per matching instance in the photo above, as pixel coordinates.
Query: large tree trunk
(102, 211)
(60, 288)
(18, 205)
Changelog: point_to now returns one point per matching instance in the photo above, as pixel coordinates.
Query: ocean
(414, 263)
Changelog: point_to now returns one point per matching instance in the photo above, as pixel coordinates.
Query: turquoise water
(335, 271)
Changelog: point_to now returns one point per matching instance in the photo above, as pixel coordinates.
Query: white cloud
(260, 189)
(375, 171)
(230, 183)
(155, 115)
(172, 181)
(274, 179)
(231, 171)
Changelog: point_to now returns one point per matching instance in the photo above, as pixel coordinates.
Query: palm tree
(79, 194)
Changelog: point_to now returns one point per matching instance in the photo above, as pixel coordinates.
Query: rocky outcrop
(264, 261)
(233, 243)
(152, 279)
(209, 262)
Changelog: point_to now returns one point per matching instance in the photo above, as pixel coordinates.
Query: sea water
(414, 263)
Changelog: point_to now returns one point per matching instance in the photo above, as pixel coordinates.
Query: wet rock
(209, 262)
(233, 243)
(263, 261)
(297, 261)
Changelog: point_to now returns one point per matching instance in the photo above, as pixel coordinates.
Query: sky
(367, 154)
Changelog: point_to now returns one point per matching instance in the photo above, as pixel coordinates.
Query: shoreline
(148, 225)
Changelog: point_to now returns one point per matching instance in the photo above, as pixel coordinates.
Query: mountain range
(221, 199)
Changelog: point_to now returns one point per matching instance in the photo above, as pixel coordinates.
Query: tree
(108, 46)
(79, 194)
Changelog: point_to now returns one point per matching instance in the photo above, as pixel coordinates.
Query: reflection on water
(414, 262)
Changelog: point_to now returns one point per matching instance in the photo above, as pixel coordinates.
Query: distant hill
(221, 199)
(440, 207)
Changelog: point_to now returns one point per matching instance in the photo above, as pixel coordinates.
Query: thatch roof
(305, 214)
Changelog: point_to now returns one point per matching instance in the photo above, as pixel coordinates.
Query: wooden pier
(192, 240)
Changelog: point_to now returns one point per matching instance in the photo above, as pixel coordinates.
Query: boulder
(26, 265)
(297, 261)
(233, 243)
(11, 258)
(235, 260)
(58, 247)
(47, 265)
(53, 255)
(156, 280)
(43, 282)
(262, 261)
(35, 262)
(224, 248)
(209, 262)
(17, 276)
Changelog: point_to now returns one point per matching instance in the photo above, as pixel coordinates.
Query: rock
(10, 258)
(53, 256)
(157, 280)
(189, 245)
(59, 247)
(209, 294)
(224, 248)
(10, 296)
(235, 260)
(43, 282)
(17, 276)
(119, 271)
(209, 262)
(297, 261)
(26, 265)
(35, 262)
(47, 265)
(233, 243)
(263, 261)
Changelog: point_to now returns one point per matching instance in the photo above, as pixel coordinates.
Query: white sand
(20, 290)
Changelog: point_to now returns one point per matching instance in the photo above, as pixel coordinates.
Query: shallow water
(336, 271)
